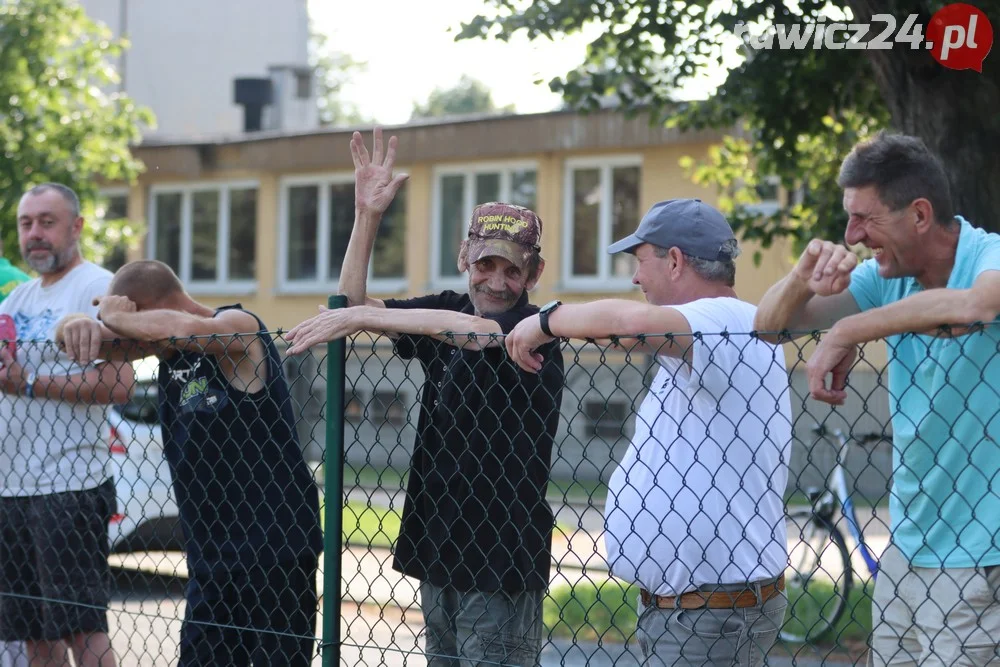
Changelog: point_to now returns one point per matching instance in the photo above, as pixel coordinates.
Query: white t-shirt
(697, 498)
(51, 446)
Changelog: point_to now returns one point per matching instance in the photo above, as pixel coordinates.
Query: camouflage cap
(504, 230)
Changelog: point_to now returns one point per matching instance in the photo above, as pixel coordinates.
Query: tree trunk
(956, 113)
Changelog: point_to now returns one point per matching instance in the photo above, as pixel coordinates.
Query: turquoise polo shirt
(944, 399)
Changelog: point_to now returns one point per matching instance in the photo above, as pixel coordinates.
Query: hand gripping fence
(619, 504)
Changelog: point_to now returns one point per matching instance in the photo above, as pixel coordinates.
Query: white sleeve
(96, 289)
(719, 330)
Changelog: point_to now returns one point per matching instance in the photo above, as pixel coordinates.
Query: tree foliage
(469, 95)
(333, 70)
(59, 117)
(791, 113)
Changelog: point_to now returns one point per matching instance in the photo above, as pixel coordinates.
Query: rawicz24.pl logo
(959, 36)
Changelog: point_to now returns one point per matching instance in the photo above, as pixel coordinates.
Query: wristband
(543, 317)
(29, 389)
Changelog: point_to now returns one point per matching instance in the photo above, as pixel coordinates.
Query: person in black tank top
(246, 497)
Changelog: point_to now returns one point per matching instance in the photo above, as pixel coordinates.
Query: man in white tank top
(695, 514)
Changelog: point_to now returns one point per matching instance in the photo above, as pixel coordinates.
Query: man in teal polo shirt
(936, 597)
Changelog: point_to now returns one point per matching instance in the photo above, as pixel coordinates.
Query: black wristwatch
(543, 316)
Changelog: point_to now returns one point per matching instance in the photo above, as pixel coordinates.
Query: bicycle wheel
(818, 578)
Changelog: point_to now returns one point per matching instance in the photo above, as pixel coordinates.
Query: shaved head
(148, 283)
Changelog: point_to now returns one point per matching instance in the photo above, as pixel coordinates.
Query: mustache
(38, 245)
(506, 295)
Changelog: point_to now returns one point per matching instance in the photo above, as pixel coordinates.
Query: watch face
(550, 306)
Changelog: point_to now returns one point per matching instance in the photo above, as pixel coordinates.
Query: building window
(113, 205)
(354, 407)
(601, 206)
(458, 190)
(207, 234)
(388, 406)
(605, 419)
(303, 84)
(768, 191)
(317, 219)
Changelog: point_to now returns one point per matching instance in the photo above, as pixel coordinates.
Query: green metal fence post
(333, 491)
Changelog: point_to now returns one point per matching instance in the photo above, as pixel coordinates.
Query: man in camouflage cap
(476, 528)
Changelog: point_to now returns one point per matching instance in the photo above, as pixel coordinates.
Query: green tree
(469, 95)
(58, 120)
(797, 112)
(333, 70)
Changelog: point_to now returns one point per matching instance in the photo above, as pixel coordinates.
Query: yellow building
(266, 218)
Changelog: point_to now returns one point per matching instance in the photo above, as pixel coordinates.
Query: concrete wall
(185, 54)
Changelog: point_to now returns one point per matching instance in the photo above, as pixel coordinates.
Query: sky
(409, 52)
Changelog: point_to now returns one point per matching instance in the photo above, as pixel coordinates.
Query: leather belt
(715, 600)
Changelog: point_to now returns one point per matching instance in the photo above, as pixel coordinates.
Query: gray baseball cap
(691, 225)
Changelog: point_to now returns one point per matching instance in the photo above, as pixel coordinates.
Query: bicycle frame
(837, 485)
(839, 480)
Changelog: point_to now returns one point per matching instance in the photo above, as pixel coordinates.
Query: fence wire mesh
(559, 497)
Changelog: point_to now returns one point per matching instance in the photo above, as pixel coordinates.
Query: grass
(368, 526)
(606, 611)
(559, 489)
(365, 526)
(591, 611)
(854, 624)
(371, 527)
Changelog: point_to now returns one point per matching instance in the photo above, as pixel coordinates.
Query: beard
(485, 302)
(51, 263)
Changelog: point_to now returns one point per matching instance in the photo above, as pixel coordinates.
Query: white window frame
(222, 285)
(460, 283)
(118, 191)
(323, 284)
(767, 206)
(603, 281)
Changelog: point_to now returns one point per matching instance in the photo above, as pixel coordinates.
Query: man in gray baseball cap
(694, 513)
(691, 225)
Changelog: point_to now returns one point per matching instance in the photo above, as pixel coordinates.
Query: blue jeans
(466, 628)
(700, 637)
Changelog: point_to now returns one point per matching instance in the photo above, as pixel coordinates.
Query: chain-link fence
(581, 502)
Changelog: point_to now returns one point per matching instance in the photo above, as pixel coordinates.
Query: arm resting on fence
(86, 340)
(229, 334)
(445, 325)
(603, 319)
(339, 323)
(926, 311)
(625, 319)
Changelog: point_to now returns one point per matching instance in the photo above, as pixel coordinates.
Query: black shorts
(55, 579)
(266, 616)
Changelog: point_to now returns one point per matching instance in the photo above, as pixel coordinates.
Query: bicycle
(812, 611)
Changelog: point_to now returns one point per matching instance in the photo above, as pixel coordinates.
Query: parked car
(147, 517)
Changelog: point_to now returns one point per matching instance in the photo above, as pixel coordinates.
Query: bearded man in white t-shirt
(695, 514)
(56, 497)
